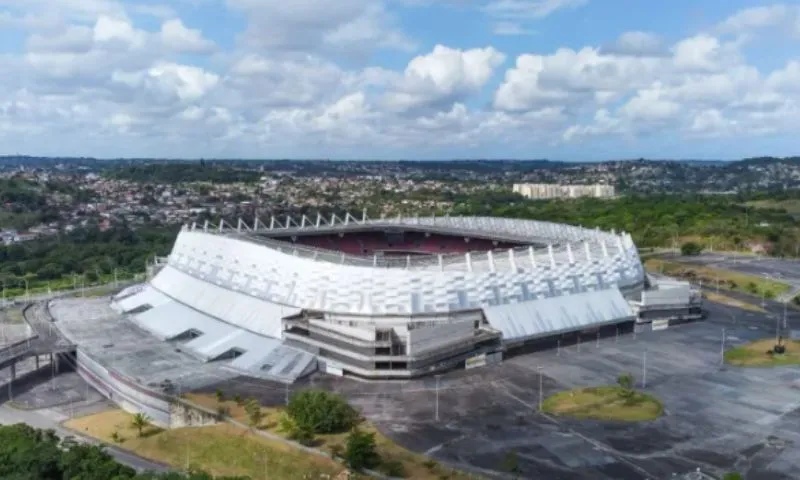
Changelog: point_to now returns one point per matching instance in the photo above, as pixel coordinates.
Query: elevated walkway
(46, 339)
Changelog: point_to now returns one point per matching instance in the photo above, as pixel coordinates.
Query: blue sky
(422, 79)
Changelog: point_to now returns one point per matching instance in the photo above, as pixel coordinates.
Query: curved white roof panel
(220, 270)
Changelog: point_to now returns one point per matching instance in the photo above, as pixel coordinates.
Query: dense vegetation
(172, 173)
(89, 252)
(653, 221)
(26, 204)
(30, 454)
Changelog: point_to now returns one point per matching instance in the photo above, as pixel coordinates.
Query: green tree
(691, 248)
(625, 381)
(360, 450)
(140, 421)
(254, 412)
(319, 411)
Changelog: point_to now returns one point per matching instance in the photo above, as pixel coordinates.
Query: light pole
(644, 369)
(541, 391)
(785, 306)
(722, 349)
(436, 408)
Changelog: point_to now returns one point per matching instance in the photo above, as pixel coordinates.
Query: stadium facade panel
(390, 298)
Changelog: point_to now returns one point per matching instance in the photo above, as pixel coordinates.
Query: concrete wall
(130, 397)
(430, 338)
(673, 295)
(164, 411)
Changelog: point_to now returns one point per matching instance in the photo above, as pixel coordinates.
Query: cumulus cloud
(176, 36)
(95, 74)
(443, 76)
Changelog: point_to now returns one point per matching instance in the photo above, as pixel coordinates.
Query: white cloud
(444, 75)
(112, 31)
(637, 43)
(529, 9)
(349, 26)
(758, 18)
(510, 29)
(97, 74)
(177, 37)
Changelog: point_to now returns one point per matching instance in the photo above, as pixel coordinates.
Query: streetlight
(644, 369)
(541, 391)
(437, 398)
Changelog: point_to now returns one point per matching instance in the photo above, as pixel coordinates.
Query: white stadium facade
(394, 298)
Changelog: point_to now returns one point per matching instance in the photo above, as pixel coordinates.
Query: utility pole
(722, 349)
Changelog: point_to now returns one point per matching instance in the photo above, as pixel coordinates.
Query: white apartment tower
(555, 190)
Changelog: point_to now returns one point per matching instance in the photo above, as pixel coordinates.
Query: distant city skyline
(572, 80)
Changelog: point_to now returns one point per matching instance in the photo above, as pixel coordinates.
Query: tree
(360, 450)
(140, 421)
(220, 396)
(254, 412)
(625, 381)
(319, 411)
(691, 248)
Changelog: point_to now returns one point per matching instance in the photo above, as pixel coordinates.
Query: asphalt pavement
(52, 418)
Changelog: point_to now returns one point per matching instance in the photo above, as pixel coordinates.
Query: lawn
(604, 403)
(728, 280)
(222, 449)
(754, 354)
(415, 465)
(732, 302)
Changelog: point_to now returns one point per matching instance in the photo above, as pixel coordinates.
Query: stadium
(393, 298)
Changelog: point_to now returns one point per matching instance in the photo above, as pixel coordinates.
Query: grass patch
(14, 316)
(755, 354)
(604, 403)
(414, 465)
(728, 280)
(790, 206)
(222, 449)
(732, 302)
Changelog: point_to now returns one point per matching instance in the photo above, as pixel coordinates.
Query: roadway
(777, 269)
(51, 419)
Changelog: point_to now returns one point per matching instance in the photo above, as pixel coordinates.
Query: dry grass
(604, 403)
(415, 465)
(755, 354)
(222, 449)
(728, 280)
(790, 206)
(732, 302)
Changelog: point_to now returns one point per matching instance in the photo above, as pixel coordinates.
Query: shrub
(360, 451)
(625, 381)
(393, 468)
(691, 248)
(319, 411)
(238, 399)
